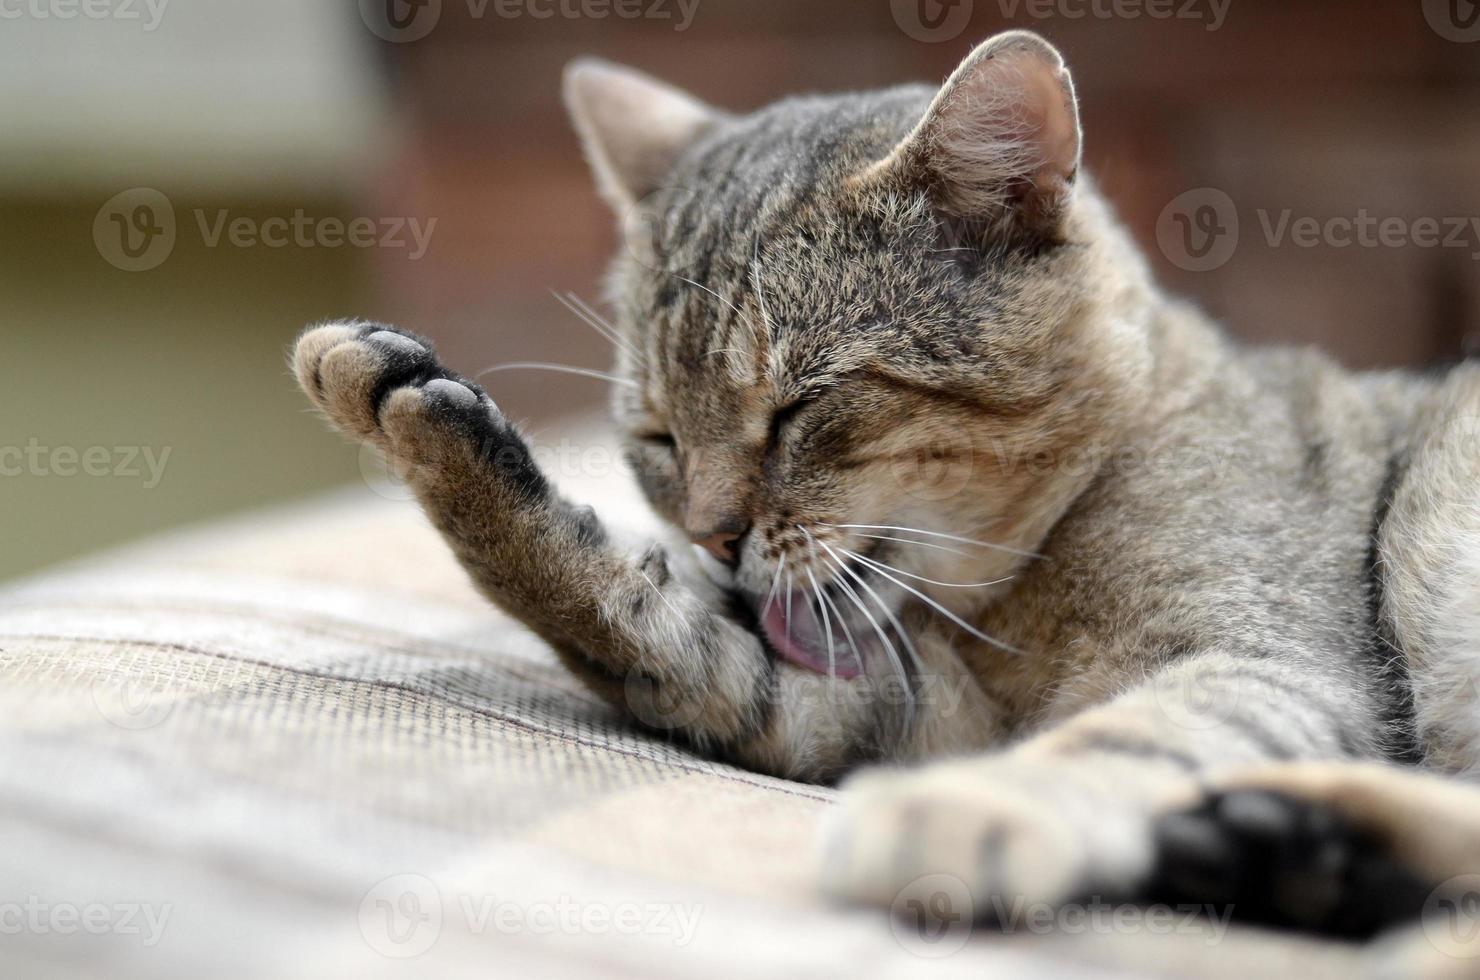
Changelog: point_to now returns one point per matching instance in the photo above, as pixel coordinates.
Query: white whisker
(832, 657)
(775, 584)
(660, 593)
(948, 614)
(755, 282)
(894, 655)
(560, 368)
(919, 544)
(822, 608)
(592, 319)
(789, 591)
(843, 620)
(894, 659)
(947, 585)
(883, 607)
(938, 534)
(738, 311)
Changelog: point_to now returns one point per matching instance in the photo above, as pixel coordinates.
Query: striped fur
(1206, 560)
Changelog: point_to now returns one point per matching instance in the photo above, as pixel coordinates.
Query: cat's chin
(796, 631)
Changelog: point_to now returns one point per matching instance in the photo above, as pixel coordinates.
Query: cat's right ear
(632, 126)
(999, 145)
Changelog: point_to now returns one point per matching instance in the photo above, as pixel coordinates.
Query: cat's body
(969, 486)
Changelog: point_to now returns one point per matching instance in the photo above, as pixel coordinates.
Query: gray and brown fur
(910, 309)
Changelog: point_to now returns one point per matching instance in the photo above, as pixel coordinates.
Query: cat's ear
(999, 145)
(633, 127)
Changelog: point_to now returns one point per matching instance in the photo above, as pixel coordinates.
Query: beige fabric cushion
(306, 747)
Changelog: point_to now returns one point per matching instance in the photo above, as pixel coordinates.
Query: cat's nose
(723, 544)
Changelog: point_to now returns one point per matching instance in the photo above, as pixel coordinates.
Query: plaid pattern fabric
(300, 745)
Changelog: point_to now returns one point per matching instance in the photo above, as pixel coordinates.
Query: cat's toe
(992, 844)
(308, 354)
(1277, 859)
(426, 421)
(350, 369)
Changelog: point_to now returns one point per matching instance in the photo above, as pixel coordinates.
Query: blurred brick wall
(1328, 108)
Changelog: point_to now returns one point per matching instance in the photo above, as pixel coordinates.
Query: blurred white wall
(199, 95)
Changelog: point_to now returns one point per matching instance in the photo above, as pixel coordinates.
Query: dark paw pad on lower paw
(1275, 859)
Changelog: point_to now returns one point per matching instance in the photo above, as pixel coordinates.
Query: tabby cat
(1155, 615)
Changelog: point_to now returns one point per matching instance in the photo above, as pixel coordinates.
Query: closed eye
(658, 440)
(784, 415)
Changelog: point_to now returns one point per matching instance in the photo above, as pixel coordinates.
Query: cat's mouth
(814, 636)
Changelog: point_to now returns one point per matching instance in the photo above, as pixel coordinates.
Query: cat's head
(858, 330)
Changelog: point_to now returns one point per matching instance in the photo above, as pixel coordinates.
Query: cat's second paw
(1277, 858)
(1005, 834)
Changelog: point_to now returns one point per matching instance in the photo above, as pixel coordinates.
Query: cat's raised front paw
(386, 386)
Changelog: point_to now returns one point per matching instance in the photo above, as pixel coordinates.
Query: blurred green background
(271, 108)
(261, 109)
(186, 359)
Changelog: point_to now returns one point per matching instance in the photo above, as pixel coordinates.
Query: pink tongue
(803, 642)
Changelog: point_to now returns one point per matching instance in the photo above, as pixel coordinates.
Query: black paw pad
(1275, 859)
(409, 360)
(461, 403)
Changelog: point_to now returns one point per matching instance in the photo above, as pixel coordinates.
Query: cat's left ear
(632, 126)
(999, 145)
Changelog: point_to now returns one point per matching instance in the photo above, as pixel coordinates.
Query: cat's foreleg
(1126, 801)
(657, 647)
